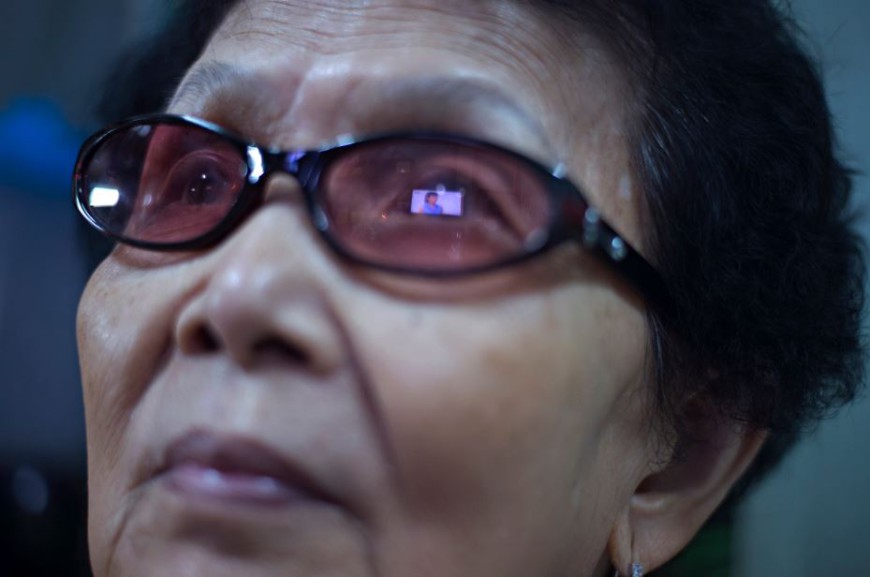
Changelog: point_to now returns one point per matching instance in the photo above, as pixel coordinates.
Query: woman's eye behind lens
(433, 205)
(190, 180)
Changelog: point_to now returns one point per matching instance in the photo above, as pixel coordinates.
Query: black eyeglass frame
(573, 217)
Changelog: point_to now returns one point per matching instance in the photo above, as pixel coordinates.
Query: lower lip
(201, 481)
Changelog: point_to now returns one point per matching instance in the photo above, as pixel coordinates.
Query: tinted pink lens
(163, 183)
(434, 205)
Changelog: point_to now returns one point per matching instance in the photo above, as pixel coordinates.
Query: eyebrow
(206, 79)
(459, 92)
(410, 95)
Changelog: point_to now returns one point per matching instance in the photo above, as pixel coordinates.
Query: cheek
(101, 345)
(123, 329)
(498, 413)
(124, 326)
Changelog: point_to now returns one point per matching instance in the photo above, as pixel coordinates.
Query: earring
(636, 570)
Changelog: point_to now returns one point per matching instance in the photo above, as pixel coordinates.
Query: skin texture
(489, 426)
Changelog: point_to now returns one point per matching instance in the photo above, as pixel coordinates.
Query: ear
(674, 500)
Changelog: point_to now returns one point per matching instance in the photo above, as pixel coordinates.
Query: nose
(264, 298)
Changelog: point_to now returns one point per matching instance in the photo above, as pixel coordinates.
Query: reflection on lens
(104, 197)
(380, 196)
(437, 202)
(163, 183)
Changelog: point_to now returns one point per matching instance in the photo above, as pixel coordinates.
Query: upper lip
(240, 455)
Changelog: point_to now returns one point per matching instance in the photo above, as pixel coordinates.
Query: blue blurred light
(30, 490)
(38, 148)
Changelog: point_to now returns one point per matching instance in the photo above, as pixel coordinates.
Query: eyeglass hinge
(593, 231)
(617, 248)
(591, 228)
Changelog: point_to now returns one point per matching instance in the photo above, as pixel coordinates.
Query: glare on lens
(255, 157)
(104, 197)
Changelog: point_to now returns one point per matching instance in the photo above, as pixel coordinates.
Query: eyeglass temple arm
(599, 237)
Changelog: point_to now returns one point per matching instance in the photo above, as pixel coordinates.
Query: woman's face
(265, 408)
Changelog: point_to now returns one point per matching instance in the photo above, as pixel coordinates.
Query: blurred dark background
(54, 55)
(808, 520)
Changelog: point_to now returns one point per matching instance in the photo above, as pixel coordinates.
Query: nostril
(202, 340)
(277, 348)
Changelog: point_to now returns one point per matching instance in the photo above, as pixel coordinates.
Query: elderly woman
(287, 371)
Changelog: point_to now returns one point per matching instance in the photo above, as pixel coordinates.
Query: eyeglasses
(412, 203)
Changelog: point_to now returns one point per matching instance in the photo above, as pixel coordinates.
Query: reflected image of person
(278, 384)
(431, 206)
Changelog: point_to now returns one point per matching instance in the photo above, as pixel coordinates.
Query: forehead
(501, 54)
(503, 29)
(297, 73)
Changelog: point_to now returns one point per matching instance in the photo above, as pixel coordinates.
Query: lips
(235, 470)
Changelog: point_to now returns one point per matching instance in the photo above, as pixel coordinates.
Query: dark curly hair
(748, 210)
(747, 204)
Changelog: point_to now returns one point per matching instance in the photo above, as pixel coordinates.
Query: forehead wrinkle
(584, 85)
(535, 49)
(551, 56)
(424, 102)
